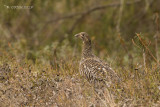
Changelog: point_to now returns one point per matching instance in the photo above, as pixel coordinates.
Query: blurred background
(44, 30)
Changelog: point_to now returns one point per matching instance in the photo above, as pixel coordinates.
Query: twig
(135, 44)
(61, 18)
(83, 14)
(138, 35)
(90, 10)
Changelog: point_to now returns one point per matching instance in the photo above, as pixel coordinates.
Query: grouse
(92, 67)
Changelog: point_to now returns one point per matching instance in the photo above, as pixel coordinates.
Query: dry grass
(23, 83)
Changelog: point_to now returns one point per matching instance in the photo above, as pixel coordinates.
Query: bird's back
(95, 69)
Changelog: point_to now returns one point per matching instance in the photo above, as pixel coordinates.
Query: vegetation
(39, 54)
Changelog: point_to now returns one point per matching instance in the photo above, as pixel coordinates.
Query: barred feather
(91, 67)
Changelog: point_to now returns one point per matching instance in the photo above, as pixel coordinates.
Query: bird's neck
(87, 50)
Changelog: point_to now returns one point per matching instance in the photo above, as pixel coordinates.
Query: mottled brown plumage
(93, 68)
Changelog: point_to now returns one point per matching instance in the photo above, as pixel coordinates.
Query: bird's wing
(102, 62)
(96, 69)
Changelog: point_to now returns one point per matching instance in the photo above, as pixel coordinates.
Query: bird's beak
(77, 35)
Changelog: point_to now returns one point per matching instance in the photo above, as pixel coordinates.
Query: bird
(93, 68)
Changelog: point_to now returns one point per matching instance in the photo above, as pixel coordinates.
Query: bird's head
(84, 36)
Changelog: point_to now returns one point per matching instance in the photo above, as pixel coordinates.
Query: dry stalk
(126, 50)
(120, 16)
(146, 48)
(156, 36)
(144, 59)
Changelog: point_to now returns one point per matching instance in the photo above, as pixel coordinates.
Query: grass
(45, 80)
